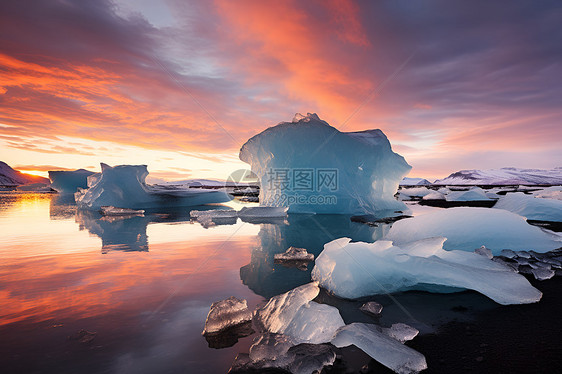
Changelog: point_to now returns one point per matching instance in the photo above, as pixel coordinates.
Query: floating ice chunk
(444, 190)
(276, 351)
(124, 186)
(508, 253)
(345, 173)
(416, 191)
(214, 213)
(539, 209)
(483, 251)
(113, 211)
(263, 212)
(512, 266)
(474, 194)
(468, 228)
(295, 314)
(371, 307)
(554, 192)
(294, 254)
(271, 347)
(225, 314)
(401, 332)
(69, 181)
(354, 270)
(381, 347)
(434, 195)
(542, 273)
(212, 217)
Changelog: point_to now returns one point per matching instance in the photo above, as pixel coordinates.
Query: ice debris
(351, 173)
(401, 332)
(294, 254)
(533, 208)
(434, 195)
(113, 211)
(295, 315)
(354, 270)
(372, 308)
(124, 186)
(277, 351)
(225, 314)
(381, 347)
(468, 228)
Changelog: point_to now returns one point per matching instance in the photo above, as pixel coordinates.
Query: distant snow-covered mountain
(11, 177)
(414, 182)
(504, 176)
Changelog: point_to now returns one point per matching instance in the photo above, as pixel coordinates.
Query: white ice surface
(225, 314)
(295, 314)
(470, 228)
(474, 194)
(554, 192)
(354, 270)
(381, 347)
(533, 208)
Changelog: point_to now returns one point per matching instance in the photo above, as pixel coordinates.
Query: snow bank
(354, 270)
(539, 209)
(309, 166)
(69, 181)
(124, 186)
(470, 228)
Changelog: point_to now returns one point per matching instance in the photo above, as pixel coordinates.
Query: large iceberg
(470, 228)
(124, 186)
(354, 270)
(66, 181)
(309, 166)
(534, 208)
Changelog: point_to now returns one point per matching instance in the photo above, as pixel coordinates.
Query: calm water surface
(143, 284)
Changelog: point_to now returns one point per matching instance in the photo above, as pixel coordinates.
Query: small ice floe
(213, 217)
(468, 228)
(508, 253)
(542, 273)
(372, 308)
(381, 347)
(226, 314)
(511, 265)
(533, 208)
(295, 315)
(113, 211)
(277, 351)
(354, 270)
(401, 332)
(483, 251)
(434, 195)
(554, 192)
(412, 193)
(473, 194)
(294, 257)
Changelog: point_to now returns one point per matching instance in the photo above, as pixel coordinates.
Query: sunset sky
(181, 85)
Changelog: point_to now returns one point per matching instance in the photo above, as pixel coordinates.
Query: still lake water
(144, 285)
